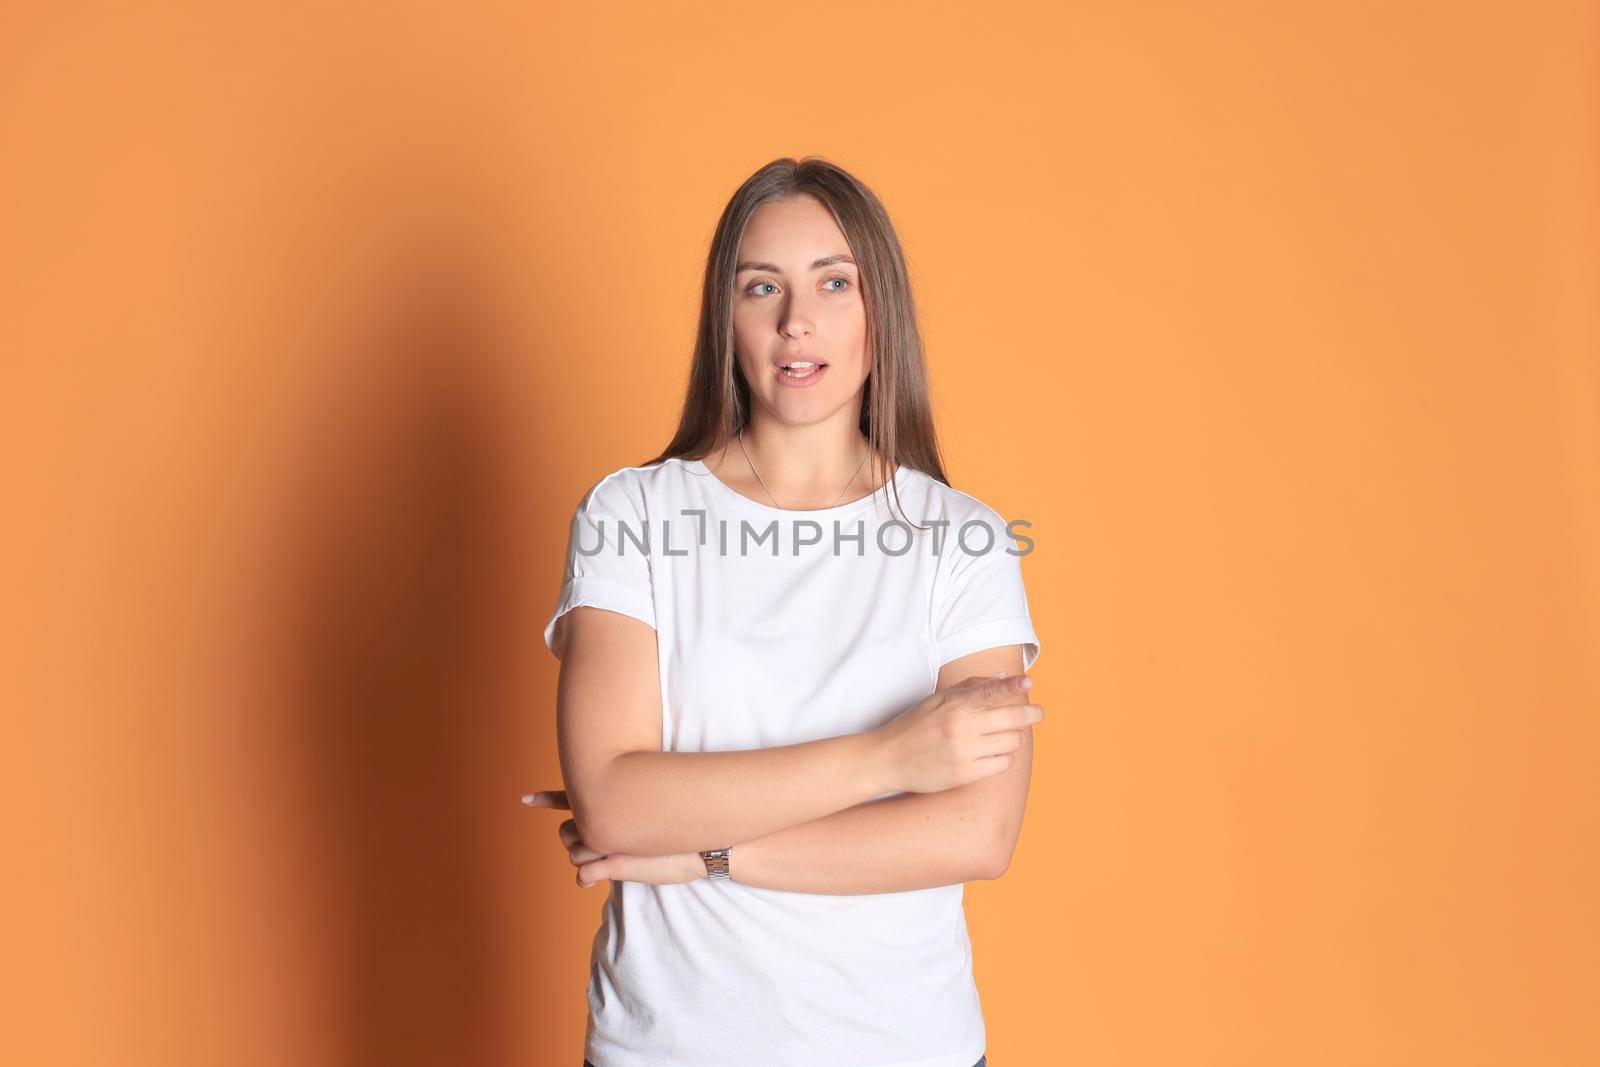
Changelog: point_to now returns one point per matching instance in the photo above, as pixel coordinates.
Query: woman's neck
(804, 468)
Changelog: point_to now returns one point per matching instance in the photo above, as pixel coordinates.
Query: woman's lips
(792, 382)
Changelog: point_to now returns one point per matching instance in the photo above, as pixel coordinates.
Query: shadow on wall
(401, 621)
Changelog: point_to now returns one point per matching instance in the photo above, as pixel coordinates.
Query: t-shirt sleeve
(608, 564)
(983, 603)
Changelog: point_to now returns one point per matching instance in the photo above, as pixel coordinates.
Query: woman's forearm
(655, 803)
(911, 841)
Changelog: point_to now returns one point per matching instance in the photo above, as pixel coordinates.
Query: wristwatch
(716, 862)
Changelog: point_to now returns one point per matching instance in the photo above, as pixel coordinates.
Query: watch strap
(716, 862)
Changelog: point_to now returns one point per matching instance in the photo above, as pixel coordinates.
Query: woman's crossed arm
(912, 841)
(801, 817)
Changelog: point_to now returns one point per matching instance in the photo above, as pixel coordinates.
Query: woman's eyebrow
(825, 261)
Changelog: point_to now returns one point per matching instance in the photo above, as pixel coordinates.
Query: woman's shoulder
(630, 488)
(971, 526)
(944, 501)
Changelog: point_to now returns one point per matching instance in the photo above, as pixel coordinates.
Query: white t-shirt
(775, 627)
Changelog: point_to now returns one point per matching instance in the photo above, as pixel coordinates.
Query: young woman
(792, 711)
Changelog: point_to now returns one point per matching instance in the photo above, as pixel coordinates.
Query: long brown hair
(896, 417)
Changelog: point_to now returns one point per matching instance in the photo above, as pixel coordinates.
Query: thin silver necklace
(774, 499)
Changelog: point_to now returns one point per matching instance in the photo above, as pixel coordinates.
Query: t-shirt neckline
(738, 499)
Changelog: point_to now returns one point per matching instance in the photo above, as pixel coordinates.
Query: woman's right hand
(958, 735)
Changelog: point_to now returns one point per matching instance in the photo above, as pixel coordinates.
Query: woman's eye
(754, 288)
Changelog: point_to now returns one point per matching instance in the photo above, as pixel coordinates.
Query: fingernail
(1025, 682)
(528, 798)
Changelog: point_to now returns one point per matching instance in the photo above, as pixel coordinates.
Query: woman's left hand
(619, 867)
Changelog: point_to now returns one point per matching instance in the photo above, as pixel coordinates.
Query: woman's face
(797, 296)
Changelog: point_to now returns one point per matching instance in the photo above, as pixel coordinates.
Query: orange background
(1277, 321)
